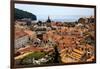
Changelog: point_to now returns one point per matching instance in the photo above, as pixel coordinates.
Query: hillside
(20, 14)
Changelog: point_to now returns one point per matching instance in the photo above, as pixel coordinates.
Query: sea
(59, 20)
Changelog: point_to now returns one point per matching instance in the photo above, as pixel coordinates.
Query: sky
(56, 12)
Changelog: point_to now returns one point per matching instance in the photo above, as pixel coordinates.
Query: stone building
(21, 39)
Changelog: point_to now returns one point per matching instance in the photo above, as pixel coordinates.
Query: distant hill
(20, 14)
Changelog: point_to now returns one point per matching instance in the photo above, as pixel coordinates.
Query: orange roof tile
(19, 34)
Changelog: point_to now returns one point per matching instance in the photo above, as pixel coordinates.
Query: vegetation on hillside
(20, 14)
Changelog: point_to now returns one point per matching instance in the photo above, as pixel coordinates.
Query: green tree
(29, 58)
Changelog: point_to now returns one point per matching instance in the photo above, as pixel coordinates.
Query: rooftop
(19, 34)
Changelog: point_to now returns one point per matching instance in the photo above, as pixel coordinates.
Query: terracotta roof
(19, 34)
(29, 32)
(32, 49)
